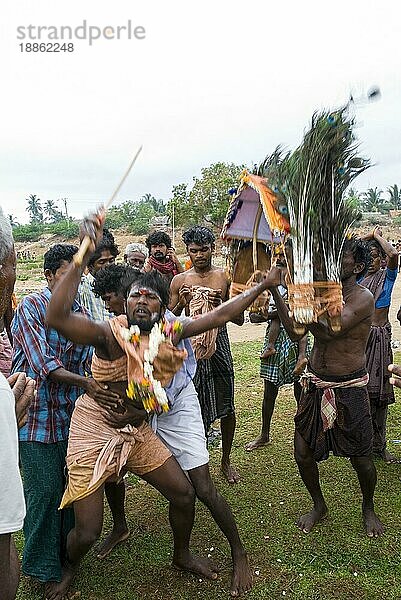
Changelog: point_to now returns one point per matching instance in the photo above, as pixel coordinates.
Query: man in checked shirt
(59, 368)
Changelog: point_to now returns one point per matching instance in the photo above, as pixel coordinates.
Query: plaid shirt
(95, 306)
(38, 351)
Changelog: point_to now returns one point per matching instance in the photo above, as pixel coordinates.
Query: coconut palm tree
(51, 210)
(395, 196)
(372, 199)
(34, 208)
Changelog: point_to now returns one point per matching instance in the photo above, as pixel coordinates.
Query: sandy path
(250, 331)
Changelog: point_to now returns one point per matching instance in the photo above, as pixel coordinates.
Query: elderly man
(135, 255)
(13, 407)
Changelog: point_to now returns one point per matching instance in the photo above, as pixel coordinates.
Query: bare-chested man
(333, 411)
(199, 290)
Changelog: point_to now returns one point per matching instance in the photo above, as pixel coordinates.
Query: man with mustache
(162, 256)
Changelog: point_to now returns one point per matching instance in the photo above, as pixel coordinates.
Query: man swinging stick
(104, 444)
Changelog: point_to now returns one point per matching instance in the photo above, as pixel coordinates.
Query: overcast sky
(212, 81)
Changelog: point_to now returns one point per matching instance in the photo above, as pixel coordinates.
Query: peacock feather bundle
(313, 180)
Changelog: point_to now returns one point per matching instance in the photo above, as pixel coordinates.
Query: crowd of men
(65, 354)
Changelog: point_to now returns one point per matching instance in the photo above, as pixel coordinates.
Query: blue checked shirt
(95, 306)
(38, 351)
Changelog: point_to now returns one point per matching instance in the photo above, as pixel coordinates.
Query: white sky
(223, 80)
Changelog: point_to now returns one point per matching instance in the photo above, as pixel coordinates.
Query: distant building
(160, 223)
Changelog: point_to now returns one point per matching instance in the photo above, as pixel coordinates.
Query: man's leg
(227, 425)
(309, 472)
(269, 400)
(9, 571)
(43, 480)
(115, 494)
(88, 527)
(366, 471)
(169, 480)
(207, 493)
(379, 421)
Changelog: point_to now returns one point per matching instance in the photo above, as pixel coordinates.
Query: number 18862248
(46, 47)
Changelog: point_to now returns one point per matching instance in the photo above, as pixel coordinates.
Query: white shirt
(12, 504)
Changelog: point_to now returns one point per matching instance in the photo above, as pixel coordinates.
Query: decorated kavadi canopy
(254, 213)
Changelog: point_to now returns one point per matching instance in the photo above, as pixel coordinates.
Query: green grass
(335, 561)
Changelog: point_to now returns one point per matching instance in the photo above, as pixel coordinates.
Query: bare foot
(388, 458)
(113, 539)
(241, 580)
(373, 526)
(258, 443)
(230, 473)
(300, 366)
(195, 564)
(308, 521)
(57, 590)
(268, 352)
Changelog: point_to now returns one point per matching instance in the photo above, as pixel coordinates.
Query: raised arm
(225, 312)
(390, 251)
(76, 327)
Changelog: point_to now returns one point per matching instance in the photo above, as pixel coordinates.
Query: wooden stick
(83, 248)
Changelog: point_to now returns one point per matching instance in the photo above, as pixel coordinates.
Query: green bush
(28, 233)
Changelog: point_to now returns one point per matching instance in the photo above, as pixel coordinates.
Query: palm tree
(395, 196)
(157, 205)
(34, 208)
(13, 221)
(52, 211)
(372, 199)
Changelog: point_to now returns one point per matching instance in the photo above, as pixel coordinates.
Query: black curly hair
(111, 279)
(360, 251)
(158, 237)
(56, 254)
(106, 243)
(153, 281)
(198, 235)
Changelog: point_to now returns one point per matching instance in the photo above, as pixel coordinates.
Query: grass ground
(335, 561)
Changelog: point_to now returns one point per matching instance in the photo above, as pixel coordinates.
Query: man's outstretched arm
(225, 312)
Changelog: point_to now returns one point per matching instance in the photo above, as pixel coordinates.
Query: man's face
(114, 303)
(201, 255)
(144, 307)
(376, 260)
(280, 260)
(53, 278)
(349, 267)
(159, 251)
(135, 259)
(7, 281)
(105, 259)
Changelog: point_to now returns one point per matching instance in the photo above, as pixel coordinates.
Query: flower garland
(149, 390)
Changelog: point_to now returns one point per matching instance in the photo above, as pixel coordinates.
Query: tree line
(204, 201)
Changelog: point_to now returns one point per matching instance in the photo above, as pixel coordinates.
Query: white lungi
(181, 430)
